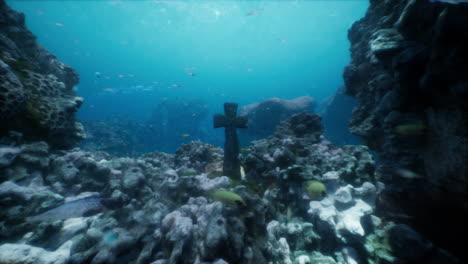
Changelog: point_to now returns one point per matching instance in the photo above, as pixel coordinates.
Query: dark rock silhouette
(408, 70)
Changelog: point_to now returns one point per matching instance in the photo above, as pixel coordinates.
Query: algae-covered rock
(318, 258)
(378, 247)
(21, 253)
(8, 155)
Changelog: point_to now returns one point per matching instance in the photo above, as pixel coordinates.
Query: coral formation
(36, 90)
(298, 152)
(162, 208)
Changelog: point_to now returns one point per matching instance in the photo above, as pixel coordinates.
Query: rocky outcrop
(36, 90)
(408, 74)
(263, 117)
(297, 152)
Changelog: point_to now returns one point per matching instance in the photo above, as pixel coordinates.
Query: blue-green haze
(145, 50)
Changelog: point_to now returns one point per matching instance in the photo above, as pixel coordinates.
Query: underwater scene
(233, 131)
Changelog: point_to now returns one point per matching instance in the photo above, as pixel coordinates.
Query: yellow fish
(315, 189)
(289, 214)
(185, 135)
(410, 129)
(226, 197)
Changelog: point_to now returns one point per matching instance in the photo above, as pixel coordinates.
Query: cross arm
(240, 122)
(219, 121)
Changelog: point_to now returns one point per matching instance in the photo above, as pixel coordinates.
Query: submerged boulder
(263, 117)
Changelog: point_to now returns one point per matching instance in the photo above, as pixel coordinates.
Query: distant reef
(336, 113)
(408, 74)
(36, 90)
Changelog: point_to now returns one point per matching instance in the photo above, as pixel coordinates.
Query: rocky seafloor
(162, 208)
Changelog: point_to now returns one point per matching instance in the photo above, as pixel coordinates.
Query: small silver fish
(407, 174)
(81, 207)
(255, 11)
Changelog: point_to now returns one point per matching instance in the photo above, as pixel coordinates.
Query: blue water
(145, 50)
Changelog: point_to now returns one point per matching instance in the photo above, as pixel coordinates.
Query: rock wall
(408, 74)
(36, 90)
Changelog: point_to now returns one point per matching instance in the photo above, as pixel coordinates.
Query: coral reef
(174, 209)
(198, 156)
(264, 116)
(36, 90)
(116, 137)
(408, 66)
(297, 152)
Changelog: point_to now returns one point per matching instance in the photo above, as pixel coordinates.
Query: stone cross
(230, 121)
